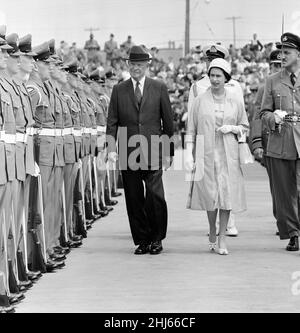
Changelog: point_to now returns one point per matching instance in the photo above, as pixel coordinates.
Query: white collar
(142, 81)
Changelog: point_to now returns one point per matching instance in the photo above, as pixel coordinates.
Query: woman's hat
(220, 63)
(138, 53)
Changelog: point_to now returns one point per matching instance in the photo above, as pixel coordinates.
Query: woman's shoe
(223, 251)
(212, 246)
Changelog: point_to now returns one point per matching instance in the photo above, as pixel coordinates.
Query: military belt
(101, 129)
(7, 138)
(292, 118)
(77, 132)
(68, 131)
(94, 131)
(21, 137)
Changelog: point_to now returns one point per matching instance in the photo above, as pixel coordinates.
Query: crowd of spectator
(249, 67)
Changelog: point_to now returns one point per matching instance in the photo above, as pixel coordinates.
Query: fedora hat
(138, 53)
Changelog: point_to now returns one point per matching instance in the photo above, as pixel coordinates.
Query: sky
(150, 22)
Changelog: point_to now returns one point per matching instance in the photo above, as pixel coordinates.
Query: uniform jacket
(153, 119)
(201, 131)
(279, 93)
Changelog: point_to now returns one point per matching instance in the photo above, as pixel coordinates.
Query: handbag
(245, 155)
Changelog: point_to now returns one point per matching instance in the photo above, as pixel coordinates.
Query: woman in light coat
(217, 120)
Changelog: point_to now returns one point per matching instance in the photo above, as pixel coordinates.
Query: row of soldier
(54, 181)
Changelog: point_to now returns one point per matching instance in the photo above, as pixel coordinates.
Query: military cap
(42, 52)
(215, 50)
(25, 45)
(52, 46)
(95, 76)
(4, 45)
(13, 41)
(71, 66)
(289, 40)
(275, 57)
(3, 42)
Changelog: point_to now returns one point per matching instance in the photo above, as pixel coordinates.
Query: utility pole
(233, 19)
(187, 27)
(91, 30)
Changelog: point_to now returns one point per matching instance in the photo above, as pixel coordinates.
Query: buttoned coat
(201, 130)
(279, 93)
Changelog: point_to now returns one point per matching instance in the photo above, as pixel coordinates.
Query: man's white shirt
(141, 85)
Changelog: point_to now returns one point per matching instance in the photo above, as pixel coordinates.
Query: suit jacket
(143, 127)
(279, 93)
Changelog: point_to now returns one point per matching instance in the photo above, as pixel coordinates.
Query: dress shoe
(212, 246)
(116, 194)
(74, 244)
(32, 276)
(61, 250)
(15, 298)
(112, 202)
(7, 309)
(76, 238)
(223, 251)
(293, 244)
(52, 265)
(156, 247)
(27, 284)
(57, 257)
(104, 212)
(142, 249)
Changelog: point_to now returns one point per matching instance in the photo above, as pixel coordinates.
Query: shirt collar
(142, 81)
(296, 73)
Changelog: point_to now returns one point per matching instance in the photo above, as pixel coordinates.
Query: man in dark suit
(140, 109)
(280, 113)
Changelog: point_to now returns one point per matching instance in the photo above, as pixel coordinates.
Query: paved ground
(104, 275)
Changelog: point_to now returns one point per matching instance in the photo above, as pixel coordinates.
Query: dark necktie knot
(293, 78)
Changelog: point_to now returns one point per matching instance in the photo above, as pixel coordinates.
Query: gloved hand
(225, 129)
(36, 169)
(258, 153)
(279, 115)
(189, 158)
(112, 157)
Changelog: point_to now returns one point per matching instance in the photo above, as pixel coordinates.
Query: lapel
(145, 91)
(131, 93)
(287, 80)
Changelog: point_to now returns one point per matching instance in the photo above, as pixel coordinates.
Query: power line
(233, 18)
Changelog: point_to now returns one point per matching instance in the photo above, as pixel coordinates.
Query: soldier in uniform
(46, 145)
(5, 305)
(280, 113)
(258, 132)
(213, 51)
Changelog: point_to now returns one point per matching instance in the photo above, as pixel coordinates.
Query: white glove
(279, 115)
(225, 129)
(36, 169)
(112, 157)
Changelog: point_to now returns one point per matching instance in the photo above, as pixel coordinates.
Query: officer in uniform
(45, 142)
(280, 113)
(5, 305)
(213, 51)
(9, 137)
(69, 173)
(258, 132)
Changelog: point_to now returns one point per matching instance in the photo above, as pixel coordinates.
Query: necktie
(138, 93)
(293, 78)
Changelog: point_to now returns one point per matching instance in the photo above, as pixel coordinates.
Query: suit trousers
(271, 182)
(70, 172)
(146, 205)
(285, 176)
